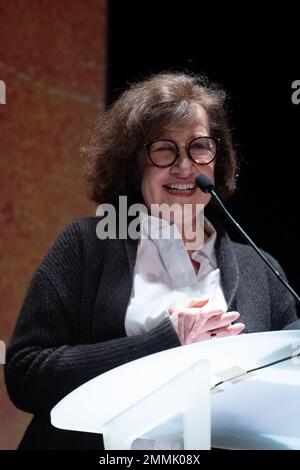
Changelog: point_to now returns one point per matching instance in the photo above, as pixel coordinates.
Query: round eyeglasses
(201, 150)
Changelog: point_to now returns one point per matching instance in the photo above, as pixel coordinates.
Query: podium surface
(254, 382)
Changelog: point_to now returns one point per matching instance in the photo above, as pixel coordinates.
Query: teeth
(181, 186)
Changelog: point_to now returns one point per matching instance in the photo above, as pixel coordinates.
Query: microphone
(207, 186)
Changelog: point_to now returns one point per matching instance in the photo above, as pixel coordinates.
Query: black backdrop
(254, 55)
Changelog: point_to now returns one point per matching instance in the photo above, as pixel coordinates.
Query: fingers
(212, 313)
(231, 330)
(199, 322)
(192, 324)
(219, 323)
(197, 302)
(222, 320)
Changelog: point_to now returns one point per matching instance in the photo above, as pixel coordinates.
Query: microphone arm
(208, 187)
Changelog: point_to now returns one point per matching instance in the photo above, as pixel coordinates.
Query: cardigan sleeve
(44, 360)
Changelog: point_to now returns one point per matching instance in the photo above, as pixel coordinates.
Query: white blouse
(165, 277)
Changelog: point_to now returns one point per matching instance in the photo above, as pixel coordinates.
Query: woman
(96, 303)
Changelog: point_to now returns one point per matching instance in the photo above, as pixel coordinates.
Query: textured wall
(52, 60)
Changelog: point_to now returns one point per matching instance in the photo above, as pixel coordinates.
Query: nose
(183, 164)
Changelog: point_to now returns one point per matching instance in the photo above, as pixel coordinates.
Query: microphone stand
(251, 242)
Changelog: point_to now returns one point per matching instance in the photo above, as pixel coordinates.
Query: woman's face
(158, 185)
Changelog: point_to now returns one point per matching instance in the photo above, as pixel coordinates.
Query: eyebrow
(191, 137)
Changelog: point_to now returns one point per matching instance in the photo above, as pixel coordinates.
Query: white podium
(240, 392)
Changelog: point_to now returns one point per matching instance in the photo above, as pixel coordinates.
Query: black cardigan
(71, 326)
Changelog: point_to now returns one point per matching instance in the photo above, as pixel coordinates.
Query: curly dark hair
(110, 156)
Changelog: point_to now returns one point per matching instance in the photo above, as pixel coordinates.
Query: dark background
(254, 56)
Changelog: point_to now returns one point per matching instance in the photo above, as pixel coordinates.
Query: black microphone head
(204, 183)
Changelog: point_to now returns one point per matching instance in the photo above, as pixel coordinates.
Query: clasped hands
(193, 325)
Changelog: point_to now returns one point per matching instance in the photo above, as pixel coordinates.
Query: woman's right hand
(193, 325)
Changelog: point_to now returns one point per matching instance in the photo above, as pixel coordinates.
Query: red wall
(52, 60)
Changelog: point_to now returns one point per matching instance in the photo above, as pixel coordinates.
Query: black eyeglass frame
(147, 146)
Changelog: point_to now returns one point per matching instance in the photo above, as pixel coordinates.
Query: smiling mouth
(180, 188)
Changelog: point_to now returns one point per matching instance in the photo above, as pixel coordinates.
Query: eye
(162, 146)
(197, 145)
